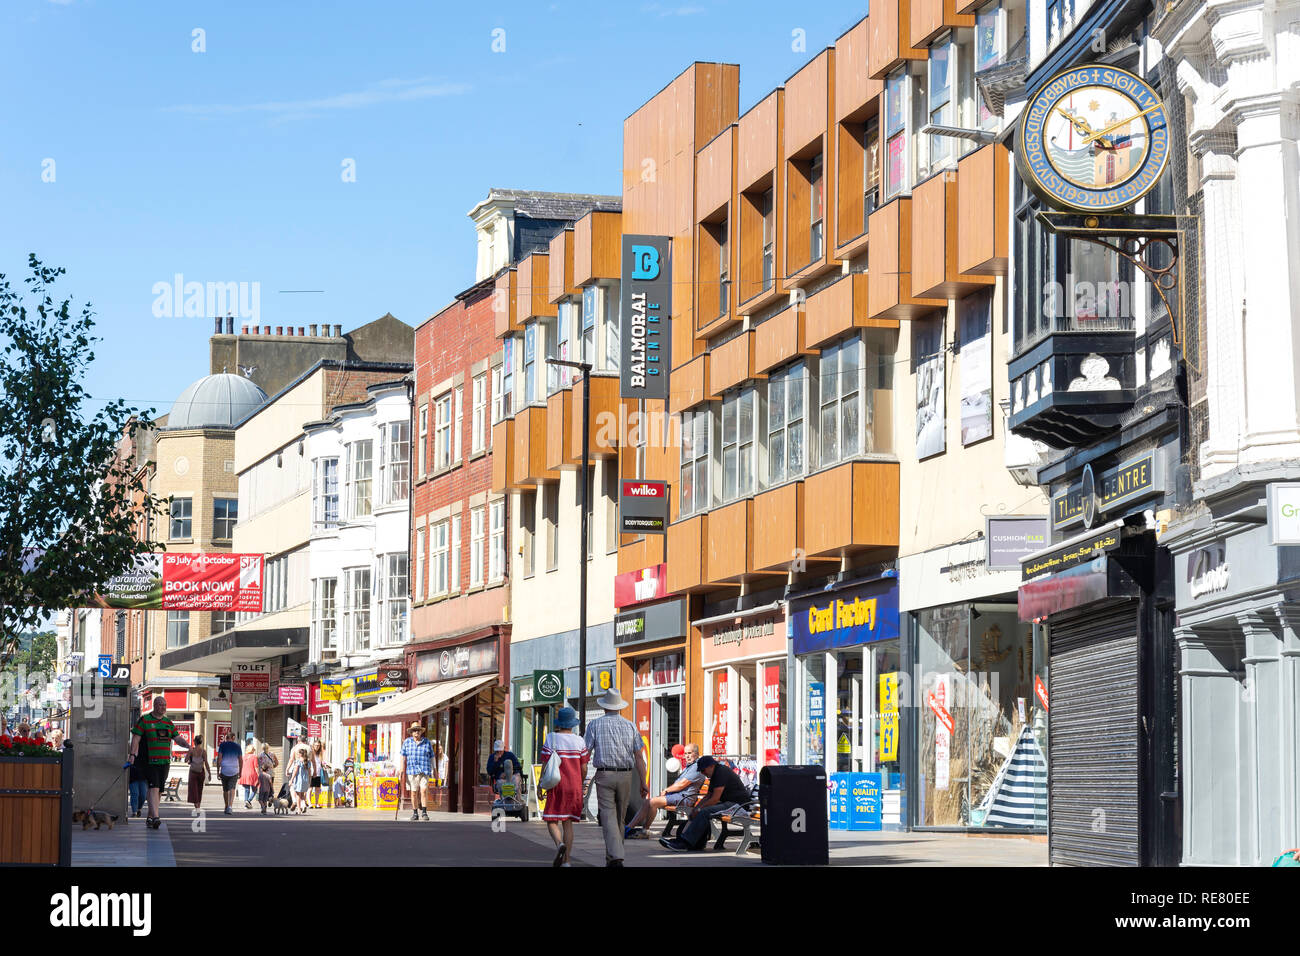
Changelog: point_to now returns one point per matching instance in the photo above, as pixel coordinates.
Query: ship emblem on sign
(549, 686)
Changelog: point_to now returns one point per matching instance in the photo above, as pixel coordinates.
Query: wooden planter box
(36, 810)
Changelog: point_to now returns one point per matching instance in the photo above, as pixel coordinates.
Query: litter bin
(793, 805)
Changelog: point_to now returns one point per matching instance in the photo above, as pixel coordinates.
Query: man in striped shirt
(157, 731)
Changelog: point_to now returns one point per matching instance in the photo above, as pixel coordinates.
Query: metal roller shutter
(1093, 772)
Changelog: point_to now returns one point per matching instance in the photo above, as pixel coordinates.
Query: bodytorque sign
(646, 292)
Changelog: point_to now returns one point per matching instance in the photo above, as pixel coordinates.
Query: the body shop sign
(645, 311)
(187, 582)
(859, 615)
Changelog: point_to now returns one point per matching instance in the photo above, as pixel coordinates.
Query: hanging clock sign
(1093, 139)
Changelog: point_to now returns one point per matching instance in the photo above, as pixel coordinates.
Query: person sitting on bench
(726, 792)
(683, 790)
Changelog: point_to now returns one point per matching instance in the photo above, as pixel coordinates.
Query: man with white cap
(497, 760)
(617, 752)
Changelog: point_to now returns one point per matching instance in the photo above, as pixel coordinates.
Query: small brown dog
(97, 817)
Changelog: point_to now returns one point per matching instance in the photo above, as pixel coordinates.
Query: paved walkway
(351, 837)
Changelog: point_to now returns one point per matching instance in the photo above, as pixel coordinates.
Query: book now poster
(187, 582)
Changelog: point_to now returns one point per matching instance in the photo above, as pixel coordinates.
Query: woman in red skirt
(564, 802)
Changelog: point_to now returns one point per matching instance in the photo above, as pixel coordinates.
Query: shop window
(697, 434)
(740, 422)
(787, 428)
(977, 663)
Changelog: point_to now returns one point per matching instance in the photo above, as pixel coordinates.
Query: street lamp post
(585, 368)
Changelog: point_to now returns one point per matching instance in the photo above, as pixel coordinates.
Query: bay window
(438, 548)
(442, 432)
(392, 597)
(941, 107)
(356, 613)
(816, 206)
(394, 461)
(767, 210)
(697, 428)
(419, 564)
(739, 450)
(477, 517)
(530, 363)
(786, 423)
(588, 310)
(325, 492)
(478, 421)
(497, 542)
(324, 626)
(895, 134)
(613, 306)
(839, 423)
(507, 390)
(870, 171)
(359, 478)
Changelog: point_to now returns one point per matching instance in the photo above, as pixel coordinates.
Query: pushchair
(283, 799)
(509, 800)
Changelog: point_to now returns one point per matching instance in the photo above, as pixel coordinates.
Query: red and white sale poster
(195, 581)
(771, 714)
(721, 711)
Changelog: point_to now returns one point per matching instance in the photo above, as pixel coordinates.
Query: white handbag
(550, 778)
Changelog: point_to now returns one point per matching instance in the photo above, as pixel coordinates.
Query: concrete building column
(1261, 699)
(1288, 616)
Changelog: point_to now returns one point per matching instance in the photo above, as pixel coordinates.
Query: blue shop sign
(847, 617)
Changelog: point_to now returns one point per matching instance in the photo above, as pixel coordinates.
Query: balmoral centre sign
(646, 292)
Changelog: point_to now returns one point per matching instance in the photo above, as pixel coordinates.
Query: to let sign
(250, 678)
(643, 507)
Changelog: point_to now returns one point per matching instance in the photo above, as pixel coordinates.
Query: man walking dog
(157, 732)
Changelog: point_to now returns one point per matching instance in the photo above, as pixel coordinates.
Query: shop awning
(413, 704)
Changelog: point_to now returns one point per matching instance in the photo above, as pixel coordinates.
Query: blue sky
(226, 165)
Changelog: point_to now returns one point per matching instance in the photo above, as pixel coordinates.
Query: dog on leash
(97, 817)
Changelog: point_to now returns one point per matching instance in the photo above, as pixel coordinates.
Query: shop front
(1237, 581)
(978, 732)
(744, 657)
(532, 710)
(847, 666)
(650, 640)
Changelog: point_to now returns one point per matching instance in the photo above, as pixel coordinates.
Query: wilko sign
(648, 584)
(643, 507)
(187, 582)
(250, 678)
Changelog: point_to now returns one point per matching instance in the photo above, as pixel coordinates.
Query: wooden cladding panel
(809, 103)
(503, 453)
(560, 280)
(559, 415)
(969, 6)
(850, 508)
(597, 247)
(929, 18)
(689, 385)
(982, 241)
(530, 466)
(890, 292)
(503, 303)
(758, 141)
(779, 516)
(532, 288)
(855, 90)
(717, 99)
(840, 307)
(636, 553)
(731, 542)
(605, 423)
(850, 226)
(779, 339)
(731, 364)
(29, 822)
(889, 38)
(934, 240)
(714, 169)
(688, 541)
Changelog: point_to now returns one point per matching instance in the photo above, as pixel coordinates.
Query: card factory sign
(1096, 494)
(646, 309)
(853, 616)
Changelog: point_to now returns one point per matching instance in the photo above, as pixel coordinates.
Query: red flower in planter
(6, 741)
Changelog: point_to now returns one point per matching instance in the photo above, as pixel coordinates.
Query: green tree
(69, 501)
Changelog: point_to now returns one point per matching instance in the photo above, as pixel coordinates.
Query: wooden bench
(173, 790)
(743, 822)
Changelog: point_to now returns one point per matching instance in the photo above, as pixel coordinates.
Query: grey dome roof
(216, 401)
